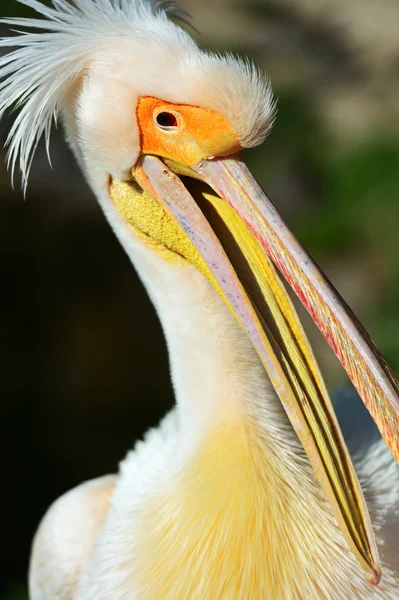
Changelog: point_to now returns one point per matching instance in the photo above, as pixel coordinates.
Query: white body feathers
(221, 381)
(219, 501)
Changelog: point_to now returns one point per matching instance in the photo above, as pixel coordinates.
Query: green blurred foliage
(344, 195)
(360, 210)
(356, 202)
(16, 591)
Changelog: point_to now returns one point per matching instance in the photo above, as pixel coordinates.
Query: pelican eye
(166, 120)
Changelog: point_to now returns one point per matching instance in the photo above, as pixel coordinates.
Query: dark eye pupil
(166, 119)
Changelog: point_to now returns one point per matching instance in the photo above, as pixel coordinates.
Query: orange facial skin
(200, 132)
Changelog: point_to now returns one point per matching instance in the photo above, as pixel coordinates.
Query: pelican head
(157, 124)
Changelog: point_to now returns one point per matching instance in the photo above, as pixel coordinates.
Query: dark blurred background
(84, 368)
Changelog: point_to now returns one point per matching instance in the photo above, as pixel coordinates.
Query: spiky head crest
(89, 62)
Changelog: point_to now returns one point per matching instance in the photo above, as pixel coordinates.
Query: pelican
(246, 490)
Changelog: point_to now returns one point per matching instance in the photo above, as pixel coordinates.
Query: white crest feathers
(52, 50)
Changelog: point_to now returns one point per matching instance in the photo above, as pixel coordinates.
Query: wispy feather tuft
(38, 73)
(173, 10)
(138, 43)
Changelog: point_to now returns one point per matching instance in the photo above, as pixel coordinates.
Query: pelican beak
(236, 230)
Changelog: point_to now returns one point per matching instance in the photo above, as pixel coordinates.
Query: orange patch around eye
(200, 132)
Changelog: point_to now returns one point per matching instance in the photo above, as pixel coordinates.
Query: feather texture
(55, 48)
(226, 464)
